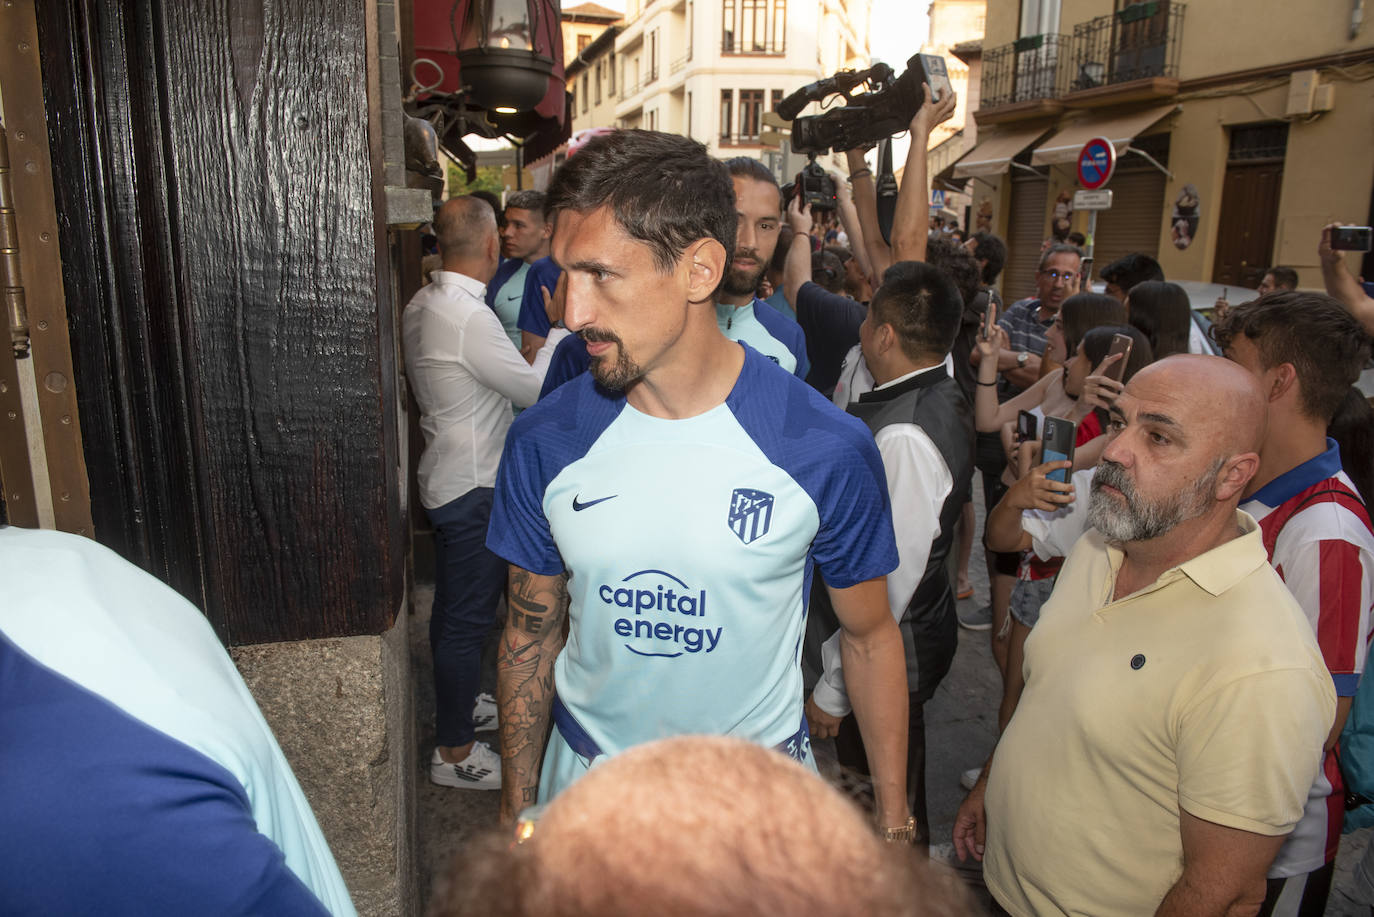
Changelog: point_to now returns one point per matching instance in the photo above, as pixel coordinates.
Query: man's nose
(577, 308)
(744, 237)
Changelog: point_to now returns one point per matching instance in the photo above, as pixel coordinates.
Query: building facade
(1240, 129)
(709, 69)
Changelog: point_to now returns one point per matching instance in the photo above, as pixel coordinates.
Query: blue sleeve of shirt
(830, 327)
(503, 273)
(146, 826)
(543, 441)
(569, 361)
(534, 318)
(786, 331)
(833, 457)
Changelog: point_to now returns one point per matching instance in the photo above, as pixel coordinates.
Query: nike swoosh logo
(579, 507)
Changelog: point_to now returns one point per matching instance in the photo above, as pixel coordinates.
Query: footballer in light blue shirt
(674, 502)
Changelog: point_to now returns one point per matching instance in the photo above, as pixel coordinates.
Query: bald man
(1176, 703)
(465, 374)
(699, 825)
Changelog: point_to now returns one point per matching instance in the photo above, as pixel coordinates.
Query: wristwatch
(903, 835)
(1022, 359)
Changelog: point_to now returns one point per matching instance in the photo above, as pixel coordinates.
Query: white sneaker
(484, 713)
(480, 770)
(969, 777)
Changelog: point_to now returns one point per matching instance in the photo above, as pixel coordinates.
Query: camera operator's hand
(932, 113)
(799, 215)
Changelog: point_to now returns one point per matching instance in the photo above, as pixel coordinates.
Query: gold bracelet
(904, 835)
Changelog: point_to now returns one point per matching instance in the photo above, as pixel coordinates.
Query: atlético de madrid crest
(751, 513)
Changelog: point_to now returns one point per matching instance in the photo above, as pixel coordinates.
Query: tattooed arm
(524, 682)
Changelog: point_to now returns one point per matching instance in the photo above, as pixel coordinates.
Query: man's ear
(1285, 379)
(704, 261)
(548, 229)
(1235, 474)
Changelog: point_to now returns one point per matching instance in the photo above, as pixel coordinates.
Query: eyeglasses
(1056, 276)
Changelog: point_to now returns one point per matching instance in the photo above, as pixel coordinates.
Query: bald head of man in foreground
(696, 826)
(465, 228)
(1187, 436)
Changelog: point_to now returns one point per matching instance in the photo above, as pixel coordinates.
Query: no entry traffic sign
(1096, 162)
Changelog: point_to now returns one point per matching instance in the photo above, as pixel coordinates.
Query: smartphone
(989, 316)
(1350, 238)
(935, 74)
(1058, 446)
(1025, 427)
(1121, 343)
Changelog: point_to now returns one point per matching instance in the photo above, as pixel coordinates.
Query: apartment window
(776, 100)
(653, 120)
(750, 110)
(687, 128)
(727, 98)
(583, 93)
(582, 42)
(753, 26)
(611, 75)
(598, 83)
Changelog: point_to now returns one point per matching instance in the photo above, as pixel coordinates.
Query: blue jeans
(468, 583)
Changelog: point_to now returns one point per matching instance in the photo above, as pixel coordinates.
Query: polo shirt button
(1138, 661)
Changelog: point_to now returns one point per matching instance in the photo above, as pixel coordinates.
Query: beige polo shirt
(1204, 691)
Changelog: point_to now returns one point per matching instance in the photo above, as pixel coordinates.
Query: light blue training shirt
(690, 546)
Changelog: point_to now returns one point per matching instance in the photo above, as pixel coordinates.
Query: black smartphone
(989, 316)
(1121, 343)
(1351, 238)
(1026, 427)
(1058, 446)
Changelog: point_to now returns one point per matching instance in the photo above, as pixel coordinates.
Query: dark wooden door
(1249, 219)
(224, 257)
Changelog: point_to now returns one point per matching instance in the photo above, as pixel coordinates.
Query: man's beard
(737, 282)
(615, 376)
(1141, 519)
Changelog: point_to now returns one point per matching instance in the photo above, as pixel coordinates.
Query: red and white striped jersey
(1319, 539)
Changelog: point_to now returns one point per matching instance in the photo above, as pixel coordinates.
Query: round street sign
(1096, 162)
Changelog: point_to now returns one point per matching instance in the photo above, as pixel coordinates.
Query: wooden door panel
(1249, 218)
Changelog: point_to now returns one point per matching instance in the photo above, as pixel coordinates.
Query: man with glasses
(1027, 321)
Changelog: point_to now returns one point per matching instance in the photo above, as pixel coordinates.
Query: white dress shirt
(465, 374)
(918, 481)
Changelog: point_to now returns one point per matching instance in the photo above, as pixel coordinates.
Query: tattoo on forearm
(525, 683)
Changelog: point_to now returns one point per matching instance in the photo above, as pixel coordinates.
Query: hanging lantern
(502, 67)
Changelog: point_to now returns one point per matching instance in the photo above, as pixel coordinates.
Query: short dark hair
(779, 262)
(662, 190)
(922, 305)
(1077, 238)
(1129, 270)
(1285, 278)
(827, 270)
(1082, 312)
(1164, 313)
(533, 201)
(1315, 333)
(745, 167)
(1059, 248)
(959, 263)
(1097, 343)
(992, 250)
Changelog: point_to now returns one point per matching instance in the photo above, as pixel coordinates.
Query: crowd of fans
(717, 450)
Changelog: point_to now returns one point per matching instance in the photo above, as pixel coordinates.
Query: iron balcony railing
(1030, 68)
(628, 90)
(681, 62)
(651, 76)
(1137, 42)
